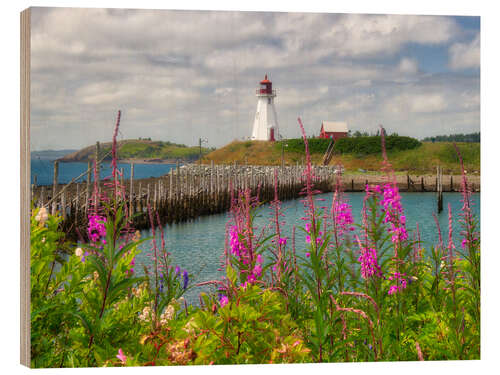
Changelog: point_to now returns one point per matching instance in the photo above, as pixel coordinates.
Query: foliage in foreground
(374, 296)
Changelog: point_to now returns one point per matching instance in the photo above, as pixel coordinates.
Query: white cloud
(427, 103)
(465, 55)
(178, 75)
(363, 83)
(354, 103)
(407, 65)
(416, 103)
(362, 35)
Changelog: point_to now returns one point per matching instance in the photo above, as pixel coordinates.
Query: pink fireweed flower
(308, 239)
(308, 255)
(342, 216)
(282, 241)
(369, 264)
(234, 241)
(97, 227)
(373, 189)
(401, 283)
(257, 270)
(393, 211)
(122, 357)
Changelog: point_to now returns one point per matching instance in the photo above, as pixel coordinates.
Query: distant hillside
(50, 154)
(421, 159)
(139, 149)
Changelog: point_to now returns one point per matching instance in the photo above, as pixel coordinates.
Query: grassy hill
(421, 159)
(140, 149)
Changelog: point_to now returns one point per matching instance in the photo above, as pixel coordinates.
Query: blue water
(44, 170)
(198, 245)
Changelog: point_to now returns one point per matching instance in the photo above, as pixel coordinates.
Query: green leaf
(117, 288)
(97, 264)
(126, 248)
(231, 274)
(84, 320)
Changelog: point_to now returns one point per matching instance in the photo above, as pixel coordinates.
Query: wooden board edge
(25, 341)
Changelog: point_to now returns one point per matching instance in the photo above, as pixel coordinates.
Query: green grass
(420, 160)
(159, 150)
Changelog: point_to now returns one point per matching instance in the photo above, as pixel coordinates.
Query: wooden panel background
(25, 186)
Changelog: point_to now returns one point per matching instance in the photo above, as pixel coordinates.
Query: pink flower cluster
(239, 250)
(256, 271)
(343, 217)
(393, 210)
(394, 213)
(369, 264)
(400, 283)
(236, 247)
(319, 240)
(97, 228)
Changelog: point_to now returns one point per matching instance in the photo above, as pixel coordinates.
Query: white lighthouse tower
(265, 124)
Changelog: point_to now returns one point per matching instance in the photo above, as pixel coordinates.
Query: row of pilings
(190, 191)
(186, 193)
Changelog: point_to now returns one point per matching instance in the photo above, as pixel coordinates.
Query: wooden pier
(190, 191)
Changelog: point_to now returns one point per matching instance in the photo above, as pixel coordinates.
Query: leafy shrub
(316, 145)
(255, 328)
(372, 144)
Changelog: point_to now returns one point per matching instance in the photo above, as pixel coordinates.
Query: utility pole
(283, 145)
(200, 141)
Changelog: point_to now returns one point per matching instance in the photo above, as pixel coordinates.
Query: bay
(198, 246)
(44, 170)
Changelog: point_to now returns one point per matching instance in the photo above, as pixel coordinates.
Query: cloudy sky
(181, 75)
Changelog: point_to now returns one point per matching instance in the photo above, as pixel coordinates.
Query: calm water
(197, 246)
(44, 170)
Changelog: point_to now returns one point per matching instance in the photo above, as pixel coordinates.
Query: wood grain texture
(25, 186)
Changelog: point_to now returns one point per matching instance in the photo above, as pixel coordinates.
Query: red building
(333, 130)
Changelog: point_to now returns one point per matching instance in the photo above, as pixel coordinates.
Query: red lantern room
(266, 86)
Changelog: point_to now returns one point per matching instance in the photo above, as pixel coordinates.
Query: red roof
(265, 80)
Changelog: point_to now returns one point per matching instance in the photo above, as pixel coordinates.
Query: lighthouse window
(268, 100)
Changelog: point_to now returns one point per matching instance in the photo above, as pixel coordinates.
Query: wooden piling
(63, 205)
(87, 191)
(42, 196)
(77, 203)
(439, 189)
(54, 185)
(131, 190)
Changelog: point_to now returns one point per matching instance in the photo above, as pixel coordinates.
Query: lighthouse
(265, 124)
